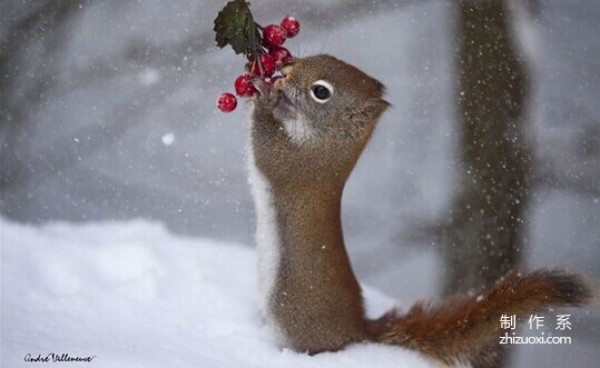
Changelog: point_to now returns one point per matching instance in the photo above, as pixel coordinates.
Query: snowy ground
(133, 295)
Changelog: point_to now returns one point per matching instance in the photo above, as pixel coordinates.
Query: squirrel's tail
(468, 330)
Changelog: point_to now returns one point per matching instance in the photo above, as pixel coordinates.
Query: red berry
(227, 102)
(281, 55)
(244, 87)
(269, 65)
(266, 68)
(274, 35)
(291, 26)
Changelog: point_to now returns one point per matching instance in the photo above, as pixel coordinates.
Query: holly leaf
(235, 26)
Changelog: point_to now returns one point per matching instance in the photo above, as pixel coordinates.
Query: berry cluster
(264, 63)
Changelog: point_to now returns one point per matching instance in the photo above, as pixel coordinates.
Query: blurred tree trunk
(485, 237)
(39, 26)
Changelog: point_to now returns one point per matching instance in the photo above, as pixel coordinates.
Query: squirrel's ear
(368, 111)
(375, 107)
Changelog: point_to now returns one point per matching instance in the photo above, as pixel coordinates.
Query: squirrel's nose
(278, 84)
(287, 69)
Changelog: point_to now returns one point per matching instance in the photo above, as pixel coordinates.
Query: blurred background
(489, 158)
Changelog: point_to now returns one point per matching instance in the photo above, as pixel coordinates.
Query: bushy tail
(468, 330)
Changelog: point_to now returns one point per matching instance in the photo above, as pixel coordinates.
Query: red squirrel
(307, 132)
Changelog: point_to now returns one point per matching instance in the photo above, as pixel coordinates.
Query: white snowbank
(133, 295)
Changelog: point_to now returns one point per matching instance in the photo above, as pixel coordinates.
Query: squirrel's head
(325, 111)
(321, 97)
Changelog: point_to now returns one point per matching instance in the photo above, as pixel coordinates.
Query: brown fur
(317, 302)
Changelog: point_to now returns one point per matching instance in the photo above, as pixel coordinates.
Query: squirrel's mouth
(285, 108)
(284, 98)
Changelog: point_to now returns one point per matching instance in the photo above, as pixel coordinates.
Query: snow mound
(131, 294)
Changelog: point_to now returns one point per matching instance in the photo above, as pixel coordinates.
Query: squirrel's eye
(321, 91)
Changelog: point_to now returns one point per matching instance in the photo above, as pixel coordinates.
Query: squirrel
(307, 132)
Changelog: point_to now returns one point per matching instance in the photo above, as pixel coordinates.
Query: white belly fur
(267, 241)
(299, 129)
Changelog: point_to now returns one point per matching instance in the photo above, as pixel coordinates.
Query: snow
(149, 77)
(168, 139)
(131, 294)
(128, 75)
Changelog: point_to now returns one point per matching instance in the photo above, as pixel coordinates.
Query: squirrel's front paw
(266, 97)
(261, 86)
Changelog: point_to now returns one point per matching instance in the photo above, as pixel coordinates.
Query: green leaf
(235, 26)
